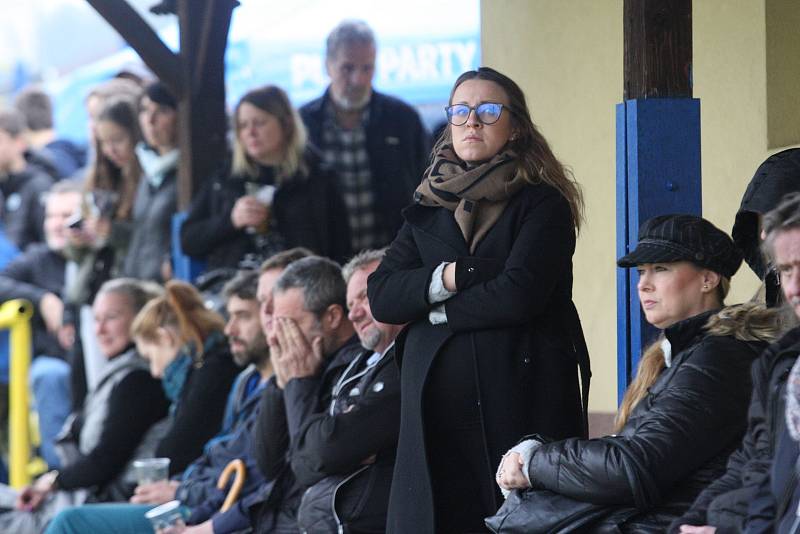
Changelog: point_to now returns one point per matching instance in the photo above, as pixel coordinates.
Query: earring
(705, 287)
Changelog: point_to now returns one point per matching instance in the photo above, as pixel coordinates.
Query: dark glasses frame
(480, 108)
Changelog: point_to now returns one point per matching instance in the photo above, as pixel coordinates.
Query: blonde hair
(273, 100)
(746, 322)
(182, 310)
(650, 366)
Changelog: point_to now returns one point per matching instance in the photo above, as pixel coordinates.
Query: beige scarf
(477, 195)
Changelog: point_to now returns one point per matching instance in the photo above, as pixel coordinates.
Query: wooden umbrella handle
(237, 467)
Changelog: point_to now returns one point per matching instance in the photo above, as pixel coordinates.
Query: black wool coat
(512, 320)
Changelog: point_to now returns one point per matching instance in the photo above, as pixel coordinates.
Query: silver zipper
(339, 526)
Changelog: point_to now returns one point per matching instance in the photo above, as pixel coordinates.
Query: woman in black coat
(482, 272)
(687, 409)
(276, 195)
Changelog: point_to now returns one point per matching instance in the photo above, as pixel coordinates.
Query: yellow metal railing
(15, 315)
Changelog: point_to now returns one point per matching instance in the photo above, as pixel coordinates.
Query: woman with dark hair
(482, 272)
(275, 195)
(681, 417)
(99, 237)
(157, 193)
(115, 171)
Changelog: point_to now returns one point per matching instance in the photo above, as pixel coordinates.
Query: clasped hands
(509, 474)
(292, 354)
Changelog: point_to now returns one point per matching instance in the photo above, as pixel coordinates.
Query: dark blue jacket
(198, 488)
(398, 146)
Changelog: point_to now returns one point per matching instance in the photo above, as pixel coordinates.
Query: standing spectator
(97, 250)
(276, 194)
(376, 143)
(156, 199)
(482, 271)
(38, 276)
(22, 185)
(65, 156)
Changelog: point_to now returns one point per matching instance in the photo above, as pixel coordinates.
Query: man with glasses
(375, 142)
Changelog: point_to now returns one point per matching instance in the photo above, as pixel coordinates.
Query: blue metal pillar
(658, 172)
(184, 267)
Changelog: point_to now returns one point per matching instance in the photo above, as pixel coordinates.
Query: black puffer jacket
(676, 440)
(307, 211)
(724, 503)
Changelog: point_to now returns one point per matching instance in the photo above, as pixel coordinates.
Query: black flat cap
(670, 238)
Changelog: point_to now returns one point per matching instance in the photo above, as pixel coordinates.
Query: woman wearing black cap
(685, 411)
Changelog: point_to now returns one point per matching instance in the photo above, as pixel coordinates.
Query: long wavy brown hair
(536, 161)
(103, 173)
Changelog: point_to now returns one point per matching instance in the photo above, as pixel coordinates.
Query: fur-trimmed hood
(748, 322)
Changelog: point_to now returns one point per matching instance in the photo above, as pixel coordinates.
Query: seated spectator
(63, 155)
(116, 425)
(772, 505)
(184, 343)
(22, 185)
(197, 486)
(38, 276)
(156, 199)
(276, 194)
(342, 439)
(685, 411)
(344, 450)
(312, 343)
(723, 504)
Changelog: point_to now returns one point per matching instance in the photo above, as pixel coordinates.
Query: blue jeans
(49, 380)
(111, 518)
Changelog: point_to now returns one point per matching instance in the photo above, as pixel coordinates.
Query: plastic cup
(264, 194)
(168, 518)
(149, 470)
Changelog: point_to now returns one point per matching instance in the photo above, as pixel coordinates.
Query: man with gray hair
(741, 499)
(311, 341)
(375, 142)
